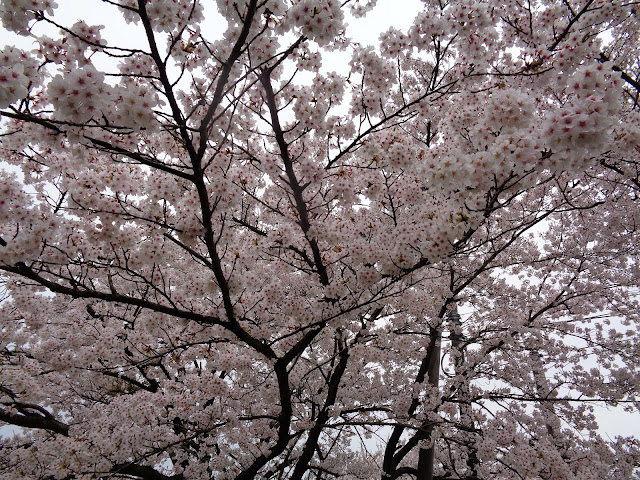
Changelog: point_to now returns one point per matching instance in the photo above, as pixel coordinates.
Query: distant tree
(222, 261)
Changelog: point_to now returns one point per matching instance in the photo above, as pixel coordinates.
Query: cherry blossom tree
(222, 260)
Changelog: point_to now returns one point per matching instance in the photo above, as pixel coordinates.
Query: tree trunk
(427, 455)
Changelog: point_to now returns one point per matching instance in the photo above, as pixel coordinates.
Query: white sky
(387, 13)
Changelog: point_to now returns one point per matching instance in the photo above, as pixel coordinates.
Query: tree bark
(426, 456)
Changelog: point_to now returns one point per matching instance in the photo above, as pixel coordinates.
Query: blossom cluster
(230, 8)
(393, 42)
(19, 226)
(80, 94)
(585, 118)
(379, 77)
(85, 38)
(53, 50)
(319, 21)
(13, 81)
(360, 8)
(306, 59)
(135, 107)
(311, 106)
(16, 15)
(165, 15)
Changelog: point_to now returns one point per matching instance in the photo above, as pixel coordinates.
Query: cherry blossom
(16, 15)
(16, 72)
(80, 94)
(224, 255)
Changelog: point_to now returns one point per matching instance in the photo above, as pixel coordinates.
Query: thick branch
(292, 180)
(284, 421)
(143, 472)
(31, 419)
(224, 76)
(176, 113)
(323, 416)
(23, 270)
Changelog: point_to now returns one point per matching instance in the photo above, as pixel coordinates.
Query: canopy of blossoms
(222, 259)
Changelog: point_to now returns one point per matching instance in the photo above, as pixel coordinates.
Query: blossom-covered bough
(222, 260)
